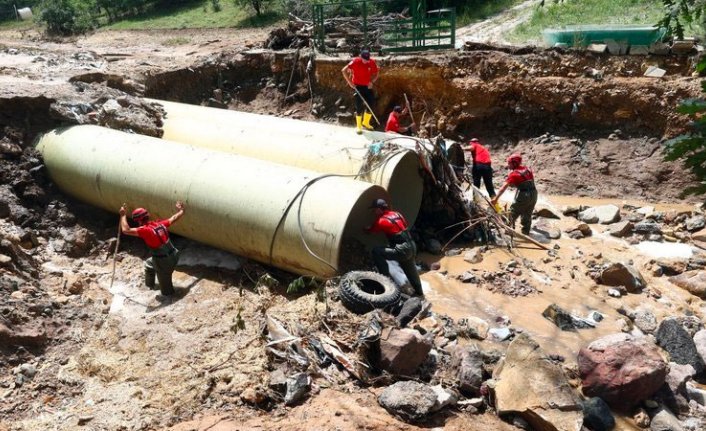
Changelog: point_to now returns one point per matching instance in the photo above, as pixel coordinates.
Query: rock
(411, 401)
(298, 386)
(402, 351)
(469, 277)
(695, 393)
(500, 334)
(615, 293)
(252, 396)
(467, 363)
(622, 274)
(664, 420)
(564, 320)
(621, 369)
(472, 327)
(444, 398)
(672, 266)
(678, 376)
(604, 214)
(621, 229)
(695, 223)
(79, 242)
(647, 227)
(583, 228)
(409, 311)
(691, 324)
(700, 343)
(571, 210)
(645, 320)
(597, 415)
(546, 213)
(673, 338)
(84, 419)
(28, 370)
(4, 208)
(645, 211)
(536, 389)
(28, 337)
(547, 228)
(474, 255)
(692, 281)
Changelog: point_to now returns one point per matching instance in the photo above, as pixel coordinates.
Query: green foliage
(302, 283)
(67, 17)
(586, 12)
(216, 5)
(691, 148)
(682, 14)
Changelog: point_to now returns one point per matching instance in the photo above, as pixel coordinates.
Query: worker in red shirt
(156, 235)
(522, 178)
(482, 167)
(401, 246)
(393, 122)
(360, 74)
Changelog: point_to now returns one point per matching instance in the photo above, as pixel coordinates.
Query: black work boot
(149, 278)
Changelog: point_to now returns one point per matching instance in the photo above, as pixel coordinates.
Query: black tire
(364, 291)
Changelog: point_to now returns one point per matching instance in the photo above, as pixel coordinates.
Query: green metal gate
(425, 30)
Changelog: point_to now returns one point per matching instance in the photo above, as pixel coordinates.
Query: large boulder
(621, 369)
(411, 401)
(402, 351)
(692, 281)
(547, 227)
(695, 223)
(467, 363)
(604, 214)
(536, 389)
(622, 274)
(673, 338)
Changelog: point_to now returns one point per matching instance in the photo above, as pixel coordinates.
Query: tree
(66, 17)
(681, 13)
(258, 5)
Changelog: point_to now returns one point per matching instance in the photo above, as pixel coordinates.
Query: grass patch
(17, 25)
(199, 14)
(577, 12)
(486, 10)
(176, 41)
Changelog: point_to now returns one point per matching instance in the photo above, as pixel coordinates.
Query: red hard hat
(514, 159)
(140, 214)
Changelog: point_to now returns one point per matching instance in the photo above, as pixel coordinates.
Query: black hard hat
(365, 53)
(379, 203)
(397, 108)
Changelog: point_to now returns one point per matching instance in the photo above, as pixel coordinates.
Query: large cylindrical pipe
(235, 203)
(319, 147)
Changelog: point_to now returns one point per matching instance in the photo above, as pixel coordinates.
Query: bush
(67, 17)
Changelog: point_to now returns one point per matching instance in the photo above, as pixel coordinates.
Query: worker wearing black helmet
(401, 246)
(155, 234)
(360, 74)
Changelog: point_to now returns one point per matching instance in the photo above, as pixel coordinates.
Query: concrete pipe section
(315, 146)
(233, 202)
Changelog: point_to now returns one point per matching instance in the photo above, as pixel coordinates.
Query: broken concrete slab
(402, 351)
(598, 48)
(655, 72)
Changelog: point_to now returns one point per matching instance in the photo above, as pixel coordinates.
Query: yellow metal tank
(250, 207)
(318, 147)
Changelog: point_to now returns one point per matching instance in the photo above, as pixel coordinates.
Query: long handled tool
(409, 108)
(366, 104)
(115, 253)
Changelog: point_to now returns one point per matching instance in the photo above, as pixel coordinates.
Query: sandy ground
(495, 28)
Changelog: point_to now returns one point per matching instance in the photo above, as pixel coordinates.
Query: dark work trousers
(367, 95)
(525, 200)
(162, 263)
(404, 253)
(483, 171)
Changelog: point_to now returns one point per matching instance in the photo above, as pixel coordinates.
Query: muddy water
(562, 281)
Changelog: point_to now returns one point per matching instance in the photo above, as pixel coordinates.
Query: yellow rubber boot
(359, 124)
(366, 120)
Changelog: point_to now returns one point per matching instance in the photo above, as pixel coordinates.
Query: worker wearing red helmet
(401, 246)
(482, 168)
(155, 234)
(522, 178)
(360, 74)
